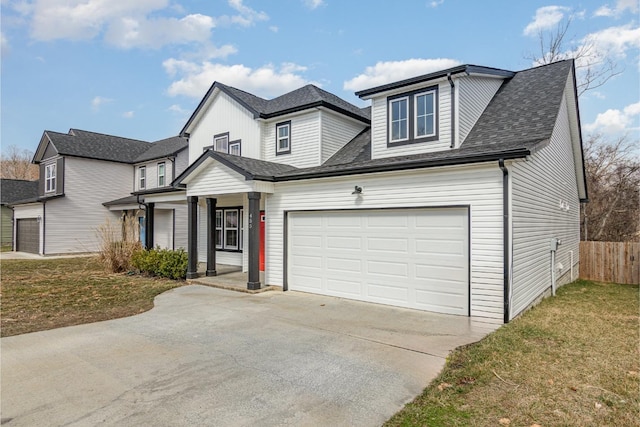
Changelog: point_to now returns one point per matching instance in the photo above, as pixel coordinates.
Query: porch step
(231, 282)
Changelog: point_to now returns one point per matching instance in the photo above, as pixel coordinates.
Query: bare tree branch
(16, 164)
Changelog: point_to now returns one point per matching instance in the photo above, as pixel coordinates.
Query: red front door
(261, 240)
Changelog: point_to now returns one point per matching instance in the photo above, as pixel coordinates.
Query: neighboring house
(450, 194)
(13, 191)
(79, 172)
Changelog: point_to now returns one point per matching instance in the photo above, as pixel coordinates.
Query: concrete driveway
(206, 356)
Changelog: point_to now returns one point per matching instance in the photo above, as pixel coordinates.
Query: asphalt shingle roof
(164, 148)
(92, 145)
(14, 190)
(518, 120)
(524, 108)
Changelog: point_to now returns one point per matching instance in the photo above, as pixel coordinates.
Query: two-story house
(81, 175)
(457, 192)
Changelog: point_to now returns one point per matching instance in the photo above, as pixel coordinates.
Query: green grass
(50, 293)
(572, 360)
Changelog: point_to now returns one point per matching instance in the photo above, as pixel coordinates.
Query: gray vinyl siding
(540, 186)
(305, 140)
(336, 132)
(181, 163)
(479, 187)
(6, 226)
(151, 174)
(474, 94)
(72, 220)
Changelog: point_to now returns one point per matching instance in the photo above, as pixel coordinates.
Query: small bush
(161, 262)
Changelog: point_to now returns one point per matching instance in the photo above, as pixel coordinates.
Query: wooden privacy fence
(616, 262)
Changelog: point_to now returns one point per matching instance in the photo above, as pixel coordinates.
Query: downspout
(505, 231)
(453, 110)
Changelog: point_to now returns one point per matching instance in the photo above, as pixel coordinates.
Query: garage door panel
(28, 235)
(349, 243)
(387, 244)
(415, 258)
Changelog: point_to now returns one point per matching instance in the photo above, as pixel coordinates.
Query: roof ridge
(545, 65)
(106, 134)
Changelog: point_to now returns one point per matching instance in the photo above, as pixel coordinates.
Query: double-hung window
(161, 174)
(399, 119)
(228, 235)
(221, 143)
(50, 178)
(142, 177)
(283, 138)
(413, 117)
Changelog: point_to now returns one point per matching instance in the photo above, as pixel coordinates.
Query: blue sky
(139, 68)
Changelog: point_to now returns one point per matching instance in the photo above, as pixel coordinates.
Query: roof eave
(478, 158)
(467, 69)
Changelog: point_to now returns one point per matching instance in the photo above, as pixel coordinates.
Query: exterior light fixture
(357, 190)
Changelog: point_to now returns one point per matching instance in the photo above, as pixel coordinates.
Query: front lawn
(571, 361)
(51, 293)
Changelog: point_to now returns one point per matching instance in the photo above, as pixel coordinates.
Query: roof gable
(306, 97)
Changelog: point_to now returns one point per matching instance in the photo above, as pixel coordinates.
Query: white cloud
(620, 7)
(130, 32)
(247, 16)
(314, 4)
(274, 28)
(266, 81)
(435, 3)
(99, 101)
(546, 17)
(614, 40)
(4, 44)
(176, 108)
(128, 114)
(390, 71)
(615, 121)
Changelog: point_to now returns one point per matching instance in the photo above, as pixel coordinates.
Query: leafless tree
(16, 164)
(613, 180)
(593, 67)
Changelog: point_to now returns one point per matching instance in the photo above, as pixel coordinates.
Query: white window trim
(288, 138)
(50, 178)
(220, 228)
(224, 137)
(163, 175)
(228, 228)
(390, 124)
(235, 144)
(415, 118)
(142, 177)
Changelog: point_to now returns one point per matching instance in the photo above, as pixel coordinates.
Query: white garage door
(416, 258)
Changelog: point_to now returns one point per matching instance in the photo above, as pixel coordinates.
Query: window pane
(218, 219)
(283, 131)
(283, 144)
(429, 103)
(430, 130)
(234, 149)
(231, 239)
(218, 238)
(221, 144)
(231, 219)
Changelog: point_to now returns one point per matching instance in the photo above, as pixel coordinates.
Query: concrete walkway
(206, 356)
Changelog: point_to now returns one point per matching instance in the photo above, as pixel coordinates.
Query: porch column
(148, 225)
(211, 237)
(254, 241)
(192, 264)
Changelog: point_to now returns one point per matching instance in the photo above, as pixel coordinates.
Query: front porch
(230, 277)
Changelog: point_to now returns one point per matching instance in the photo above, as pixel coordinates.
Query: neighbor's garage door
(416, 258)
(28, 235)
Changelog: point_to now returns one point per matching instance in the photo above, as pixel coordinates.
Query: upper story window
(50, 178)
(142, 177)
(413, 117)
(161, 174)
(283, 138)
(221, 143)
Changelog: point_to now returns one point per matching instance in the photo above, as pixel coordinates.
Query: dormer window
(413, 117)
(50, 178)
(283, 138)
(221, 143)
